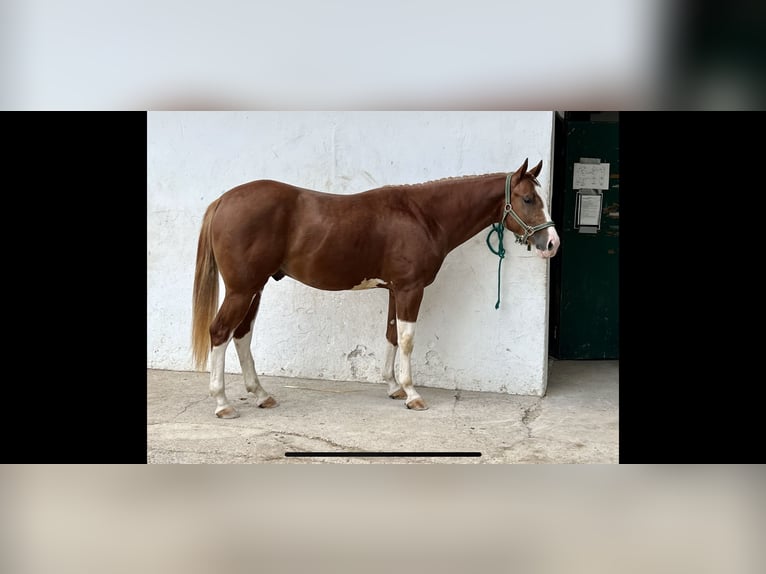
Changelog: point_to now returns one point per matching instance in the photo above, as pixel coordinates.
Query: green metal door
(585, 280)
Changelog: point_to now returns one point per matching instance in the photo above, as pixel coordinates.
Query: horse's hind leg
(231, 313)
(395, 390)
(243, 336)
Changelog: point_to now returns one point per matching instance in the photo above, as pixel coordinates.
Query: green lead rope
(499, 229)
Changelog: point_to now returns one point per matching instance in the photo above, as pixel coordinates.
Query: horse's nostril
(550, 245)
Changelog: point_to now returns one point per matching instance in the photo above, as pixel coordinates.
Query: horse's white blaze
(368, 284)
(545, 211)
(252, 384)
(217, 363)
(550, 232)
(406, 333)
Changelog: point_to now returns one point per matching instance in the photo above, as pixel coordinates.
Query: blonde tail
(205, 301)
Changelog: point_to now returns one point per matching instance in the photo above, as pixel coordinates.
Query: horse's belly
(337, 281)
(334, 274)
(334, 260)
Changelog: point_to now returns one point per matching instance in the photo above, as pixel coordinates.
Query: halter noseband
(529, 231)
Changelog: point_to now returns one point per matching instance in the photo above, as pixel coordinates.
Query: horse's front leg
(395, 390)
(407, 307)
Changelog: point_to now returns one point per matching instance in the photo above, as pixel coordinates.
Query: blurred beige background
(573, 519)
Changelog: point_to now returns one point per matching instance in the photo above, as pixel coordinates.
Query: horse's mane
(458, 178)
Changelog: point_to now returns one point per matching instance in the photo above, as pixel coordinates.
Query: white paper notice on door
(590, 209)
(591, 176)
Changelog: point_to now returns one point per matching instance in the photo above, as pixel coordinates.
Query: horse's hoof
(417, 405)
(399, 394)
(268, 403)
(227, 413)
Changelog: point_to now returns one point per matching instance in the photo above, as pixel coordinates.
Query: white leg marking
(217, 384)
(252, 384)
(406, 333)
(388, 368)
(368, 284)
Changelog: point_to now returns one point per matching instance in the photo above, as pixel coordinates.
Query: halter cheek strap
(529, 231)
(499, 228)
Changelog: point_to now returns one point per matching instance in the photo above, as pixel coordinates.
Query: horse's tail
(205, 299)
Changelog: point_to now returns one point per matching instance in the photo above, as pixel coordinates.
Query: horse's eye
(527, 200)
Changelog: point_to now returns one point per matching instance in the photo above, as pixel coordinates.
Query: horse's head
(528, 217)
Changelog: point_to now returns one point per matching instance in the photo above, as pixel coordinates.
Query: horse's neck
(462, 208)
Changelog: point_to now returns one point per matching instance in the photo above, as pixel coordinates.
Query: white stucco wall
(461, 340)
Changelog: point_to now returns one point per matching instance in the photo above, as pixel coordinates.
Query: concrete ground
(576, 422)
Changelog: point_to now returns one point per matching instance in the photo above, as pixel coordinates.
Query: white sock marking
(217, 383)
(406, 334)
(245, 353)
(388, 368)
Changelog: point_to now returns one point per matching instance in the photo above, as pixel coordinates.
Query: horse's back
(325, 240)
(261, 205)
(267, 195)
(257, 196)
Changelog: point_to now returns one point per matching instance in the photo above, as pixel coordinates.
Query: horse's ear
(535, 171)
(522, 170)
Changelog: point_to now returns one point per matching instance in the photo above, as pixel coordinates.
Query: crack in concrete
(187, 406)
(530, 415)
(328, 441)
(454, 406)
(457, 398)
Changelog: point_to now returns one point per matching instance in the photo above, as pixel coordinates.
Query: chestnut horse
(394, 237)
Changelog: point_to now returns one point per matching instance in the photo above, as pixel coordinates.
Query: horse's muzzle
(546, 242)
